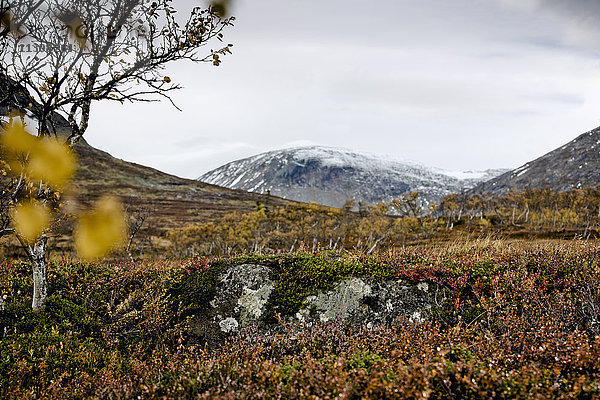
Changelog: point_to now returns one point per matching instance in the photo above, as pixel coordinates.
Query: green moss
(364, 359)
(59, 314)
(195, 289)
(287, 371)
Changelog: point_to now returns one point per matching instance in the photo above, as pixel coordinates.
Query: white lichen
(302, 315)
(416, 317)
(423, 286)
(389, 306)
(253, 301)
(342, 301)
(358, 286)
(228, 325)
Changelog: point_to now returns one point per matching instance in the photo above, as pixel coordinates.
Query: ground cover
(518, 320)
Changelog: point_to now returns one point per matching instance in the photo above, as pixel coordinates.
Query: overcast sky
(454, 84)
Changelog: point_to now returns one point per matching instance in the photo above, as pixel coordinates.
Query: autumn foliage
(40, 168)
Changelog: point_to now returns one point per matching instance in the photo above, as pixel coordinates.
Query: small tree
(68, 54)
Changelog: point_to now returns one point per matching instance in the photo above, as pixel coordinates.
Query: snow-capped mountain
(574, 165)
(331, 176)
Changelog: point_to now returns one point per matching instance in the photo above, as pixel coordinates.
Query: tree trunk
(3, 331)
(38, 263)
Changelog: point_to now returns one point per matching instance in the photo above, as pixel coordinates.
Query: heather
(514, 320)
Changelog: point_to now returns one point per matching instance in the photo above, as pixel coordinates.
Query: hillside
(167, 201)
(574, 165)
(171, 201)
(330, 176)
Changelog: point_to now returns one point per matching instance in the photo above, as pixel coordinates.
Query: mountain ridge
(331, 176)
(574, 165)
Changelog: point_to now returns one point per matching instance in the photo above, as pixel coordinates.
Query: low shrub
(518, 322)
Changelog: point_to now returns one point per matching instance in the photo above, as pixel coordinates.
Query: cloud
(583, 10)
(461, 84)
(577, 17)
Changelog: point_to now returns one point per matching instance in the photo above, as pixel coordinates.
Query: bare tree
(136, 221)
(68, 54)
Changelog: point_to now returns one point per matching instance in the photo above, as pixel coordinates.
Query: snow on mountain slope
(330, 176)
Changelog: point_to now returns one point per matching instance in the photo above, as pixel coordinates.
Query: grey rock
(239, 302)
(244, 291)
(371, 303)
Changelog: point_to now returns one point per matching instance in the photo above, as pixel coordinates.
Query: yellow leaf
(30, 219)
(52, 162)
(101, 230)
(17, 140)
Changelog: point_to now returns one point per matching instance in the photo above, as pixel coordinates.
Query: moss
(364, 359)
(59, 313)
(299, 276)
(287, 371)
(192, 293)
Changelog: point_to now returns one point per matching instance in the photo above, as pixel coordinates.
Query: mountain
(574, 165)
(330, 176)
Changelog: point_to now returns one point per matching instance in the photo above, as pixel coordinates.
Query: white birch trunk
(38, 264)
(3, 331)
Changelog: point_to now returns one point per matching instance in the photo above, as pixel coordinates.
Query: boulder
(244, 294)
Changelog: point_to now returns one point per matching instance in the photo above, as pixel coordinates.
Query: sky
(452, 84)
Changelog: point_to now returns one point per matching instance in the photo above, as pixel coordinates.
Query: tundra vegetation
(519, 319)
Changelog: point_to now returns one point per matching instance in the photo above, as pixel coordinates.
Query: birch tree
(63, 56)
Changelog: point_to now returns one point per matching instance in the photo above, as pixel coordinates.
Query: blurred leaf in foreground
(74, 25)
(8, 23)
(51, 162)
(101, 230)
(30, 219)
(17, 140)
(46, 160)
(221, 7)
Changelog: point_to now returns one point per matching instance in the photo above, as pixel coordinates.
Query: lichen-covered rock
(239, 301)
(341, 301)
(229, 325)
(368, 303)
(243, 294)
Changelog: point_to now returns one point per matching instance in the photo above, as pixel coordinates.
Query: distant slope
(171, 201)
(574, 165)
(331, 176)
